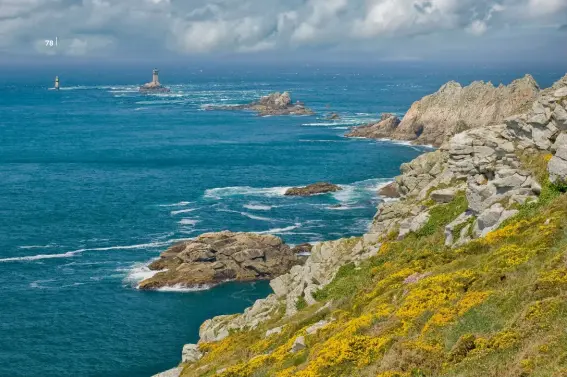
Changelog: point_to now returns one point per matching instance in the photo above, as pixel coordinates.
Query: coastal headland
(463, 275)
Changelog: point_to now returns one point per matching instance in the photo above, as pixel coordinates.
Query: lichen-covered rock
(216, 257)
(313, 189)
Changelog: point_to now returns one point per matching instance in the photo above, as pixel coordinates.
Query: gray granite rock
(191, 353)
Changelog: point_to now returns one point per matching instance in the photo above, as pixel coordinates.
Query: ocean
(97, 179)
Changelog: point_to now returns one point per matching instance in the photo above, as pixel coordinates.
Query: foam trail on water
(257, 207)
(183, 211)
(30, 258)
(192, 222)
(222, 192)
(254, 217)
(280, 230)
(74, 253)
(180, 204)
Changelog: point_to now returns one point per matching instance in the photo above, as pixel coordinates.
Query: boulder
(316, 327)
(298, 344)
(313, 189)
(333, 116)
(213, 258)
(444, 195)
(191, 353)
(276, 330)
(389, 191)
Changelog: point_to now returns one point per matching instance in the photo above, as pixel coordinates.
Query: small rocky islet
(214, 258)
(313, 189)
(274, 104)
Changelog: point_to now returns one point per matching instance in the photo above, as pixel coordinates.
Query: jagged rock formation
(481, 169)
(313, 189)
(273, 104)
(453, 109)
(383, 129)
(216, 257)
(389, 191)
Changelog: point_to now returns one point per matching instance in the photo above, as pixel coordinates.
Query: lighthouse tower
(56, 82)
(155, 78)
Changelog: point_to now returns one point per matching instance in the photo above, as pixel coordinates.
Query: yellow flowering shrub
(555, 279)
(356, 351)
(434, 292)
(500, 341)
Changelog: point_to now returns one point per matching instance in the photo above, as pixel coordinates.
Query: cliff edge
(454, 108)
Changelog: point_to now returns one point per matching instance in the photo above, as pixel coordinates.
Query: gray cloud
(98, 27)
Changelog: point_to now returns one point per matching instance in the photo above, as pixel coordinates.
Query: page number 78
(51, 42)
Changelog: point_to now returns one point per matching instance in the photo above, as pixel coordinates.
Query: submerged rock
(273, 104)
(213, 258)
(313, 189)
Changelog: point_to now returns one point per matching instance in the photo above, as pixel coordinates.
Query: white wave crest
(74, 253)
(280, 230)
(30, 258)
(254, 217)
(222, 192)
(180, 204)
(183, 211)
(191, 222)
(138, 273)
(257, 207)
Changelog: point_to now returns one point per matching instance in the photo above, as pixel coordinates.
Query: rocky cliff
(480, 223)
(273, 104)
(453, 109)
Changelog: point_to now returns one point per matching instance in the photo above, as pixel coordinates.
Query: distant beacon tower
(155, 78)
(57, 82)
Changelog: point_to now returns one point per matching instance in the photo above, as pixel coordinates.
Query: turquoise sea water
(97, 179)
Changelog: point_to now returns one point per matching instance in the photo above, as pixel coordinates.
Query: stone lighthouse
(154, 86)
(56, 82)
(155, 78)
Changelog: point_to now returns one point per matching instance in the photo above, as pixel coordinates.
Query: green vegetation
(442, 215)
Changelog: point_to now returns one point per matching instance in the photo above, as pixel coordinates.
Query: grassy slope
(495, 307)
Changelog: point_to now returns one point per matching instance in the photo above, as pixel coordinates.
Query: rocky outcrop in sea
(453, 109)
(213, 258)
(273, 104)
(483, 170)
(313, 189)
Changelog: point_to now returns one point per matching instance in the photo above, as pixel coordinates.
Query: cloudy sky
(394, 30)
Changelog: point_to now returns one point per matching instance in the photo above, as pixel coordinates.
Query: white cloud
(197, 26)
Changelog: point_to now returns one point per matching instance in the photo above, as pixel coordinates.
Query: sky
(384, 30)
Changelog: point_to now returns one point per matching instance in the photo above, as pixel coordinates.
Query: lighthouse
(155, 78)
(154, 86)
(56, 83)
